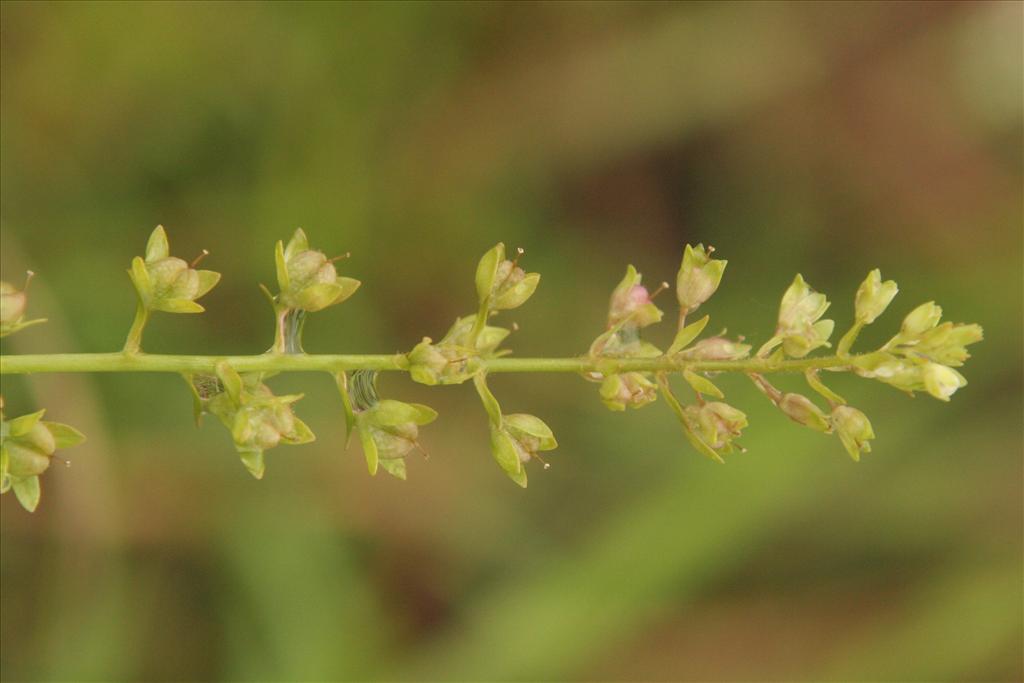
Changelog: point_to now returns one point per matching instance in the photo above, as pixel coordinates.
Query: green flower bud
(900, 373)
(631, 389)
(716, 348)
(308, 280)
(802, 410)
(27, 445)
(946, 344)
(799, 328)
(716, 424)
(854, 430)
(258, 419)
(941, 381)
(631, 303)
(920, 320)
(873, 297)
(389, 430)
(698, 277)
(13, 303)
(166, 283)
(459, 336)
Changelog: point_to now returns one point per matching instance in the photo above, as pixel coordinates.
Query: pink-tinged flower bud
(801, 410)
(630, 389)
(873, 297)
(854, 430)
(631, 303)
(698, 277)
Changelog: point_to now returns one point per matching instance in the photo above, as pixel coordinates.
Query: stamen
(661, 288)
(197, 259)
(340, 257)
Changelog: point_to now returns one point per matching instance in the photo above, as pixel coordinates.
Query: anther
(340, 257)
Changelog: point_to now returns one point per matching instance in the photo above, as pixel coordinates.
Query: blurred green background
(824, 138)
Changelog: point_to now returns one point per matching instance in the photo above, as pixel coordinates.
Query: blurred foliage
(823, 138)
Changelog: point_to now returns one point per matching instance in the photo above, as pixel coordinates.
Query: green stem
(273, 362)
(133, 344)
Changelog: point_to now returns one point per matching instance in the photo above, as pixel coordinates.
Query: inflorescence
(631, 372)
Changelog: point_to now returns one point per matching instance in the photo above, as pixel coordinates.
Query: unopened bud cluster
(632, 371)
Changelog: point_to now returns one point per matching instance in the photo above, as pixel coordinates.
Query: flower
(800, 329)
(13, 303)
(166, 283)
(517, 440)
(388, 431)
(716, 424)
(854, 430)
(873, 297)
(698, 277)
(801, 410)
(631, 389)
(500, 283)
(630, 303)
(27, 445)
(308, 280)
(941, 381)
(258, 419)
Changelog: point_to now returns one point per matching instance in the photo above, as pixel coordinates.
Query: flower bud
(258, 419)
(631, 389)
(631, 303)
(920, 320)
(698, 277)
(946, 344)
(459, 336)
(13, 303)
(27, 444)
(941, 381)
(873, 297)
(854, 430)
(309, 280)
(799, 328)
(716, 348)
(801, 410)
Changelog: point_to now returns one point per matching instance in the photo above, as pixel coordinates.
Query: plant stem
(275, 362)
(133, 344)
